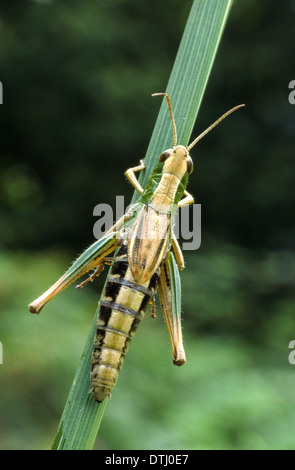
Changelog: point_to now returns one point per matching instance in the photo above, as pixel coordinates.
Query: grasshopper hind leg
(178, 253)
(170, 298)
(91, 259)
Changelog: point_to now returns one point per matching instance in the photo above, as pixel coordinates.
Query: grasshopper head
(177, 161)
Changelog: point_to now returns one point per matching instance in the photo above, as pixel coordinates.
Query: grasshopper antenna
(213, 125)
(171, 114)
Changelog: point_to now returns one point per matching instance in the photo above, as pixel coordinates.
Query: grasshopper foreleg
(188, 199)
(132, 178)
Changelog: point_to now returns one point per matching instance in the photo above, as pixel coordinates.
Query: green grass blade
(81, 418)
(188, 78)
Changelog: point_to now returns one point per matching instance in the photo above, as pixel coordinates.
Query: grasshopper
(147, 258)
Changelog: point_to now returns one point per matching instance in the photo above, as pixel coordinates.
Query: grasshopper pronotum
(144, 263)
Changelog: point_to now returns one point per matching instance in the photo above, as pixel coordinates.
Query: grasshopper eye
(165, 155)
(189, 164)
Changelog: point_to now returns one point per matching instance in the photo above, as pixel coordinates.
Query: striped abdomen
(121, 309)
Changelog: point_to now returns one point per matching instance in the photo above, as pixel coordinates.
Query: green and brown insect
(148, 259)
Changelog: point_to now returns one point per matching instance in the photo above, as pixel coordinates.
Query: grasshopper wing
(148, 241)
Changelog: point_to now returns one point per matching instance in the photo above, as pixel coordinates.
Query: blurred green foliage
(77, 79)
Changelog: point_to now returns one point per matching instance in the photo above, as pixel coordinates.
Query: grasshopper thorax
(177, 161)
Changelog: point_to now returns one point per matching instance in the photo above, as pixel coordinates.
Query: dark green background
(77, 79)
